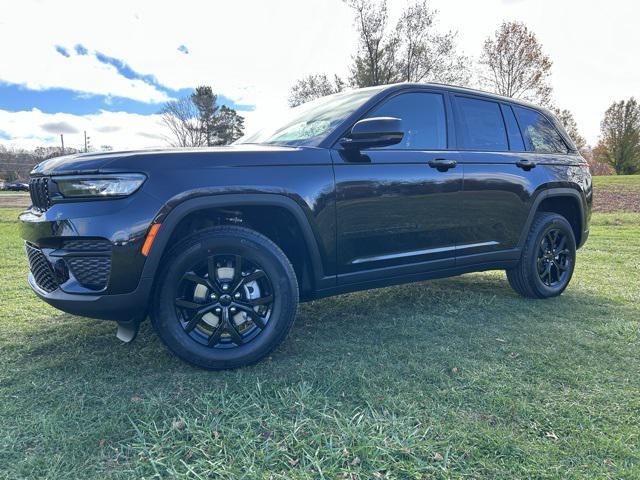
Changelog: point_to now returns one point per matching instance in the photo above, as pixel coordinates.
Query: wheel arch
(568, 202)
(175, 212)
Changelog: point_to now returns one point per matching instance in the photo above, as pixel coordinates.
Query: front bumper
(85, 258)
(121, 307)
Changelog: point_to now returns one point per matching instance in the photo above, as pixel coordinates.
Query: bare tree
(424, 53)
(514, 65)
(619, 144)
(314, 86)
(198, 121)
(375, 63)
(412, 51)
(571, 126)
(182, 120)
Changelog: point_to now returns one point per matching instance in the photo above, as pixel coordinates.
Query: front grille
(87, 245)
(39, 192)
(41, 269)
(91, 272)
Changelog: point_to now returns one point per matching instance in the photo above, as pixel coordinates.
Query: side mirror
(374, 132)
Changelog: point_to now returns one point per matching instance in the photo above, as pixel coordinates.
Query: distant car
(17, 187)
(362, 189)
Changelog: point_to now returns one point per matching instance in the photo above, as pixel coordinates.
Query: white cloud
(120, 130)
(248, 50)
(253, 50)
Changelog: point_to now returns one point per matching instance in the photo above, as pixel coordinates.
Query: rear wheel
(548, 258)
(226, 297)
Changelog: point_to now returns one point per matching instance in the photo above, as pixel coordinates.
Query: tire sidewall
(271, 260)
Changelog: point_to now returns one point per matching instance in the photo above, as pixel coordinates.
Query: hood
(109, 162)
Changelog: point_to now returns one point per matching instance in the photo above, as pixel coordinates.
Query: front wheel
(548, 258)
(226, 297)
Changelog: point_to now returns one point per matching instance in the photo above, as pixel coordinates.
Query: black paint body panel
(369, 219)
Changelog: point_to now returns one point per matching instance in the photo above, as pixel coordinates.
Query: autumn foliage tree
(513, 64)
(619, 144)
(571, 126)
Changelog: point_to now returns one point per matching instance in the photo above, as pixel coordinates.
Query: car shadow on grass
(462, 314)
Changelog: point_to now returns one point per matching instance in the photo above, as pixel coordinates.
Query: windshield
(309, 123)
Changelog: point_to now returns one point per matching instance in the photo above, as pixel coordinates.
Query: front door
(398, 206)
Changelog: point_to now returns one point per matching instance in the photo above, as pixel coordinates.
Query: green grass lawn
(613, 180)
(455, 378)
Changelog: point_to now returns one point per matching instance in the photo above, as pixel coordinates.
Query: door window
(481, 125)
(423, 120)
(539, 134)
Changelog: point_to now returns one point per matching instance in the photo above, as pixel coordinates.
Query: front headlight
(119, 185)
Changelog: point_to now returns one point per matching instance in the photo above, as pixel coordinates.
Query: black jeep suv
(356, 190)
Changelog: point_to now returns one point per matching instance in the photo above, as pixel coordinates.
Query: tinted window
(423, 120)
(539, 134)
(482, 125)
(515, 138)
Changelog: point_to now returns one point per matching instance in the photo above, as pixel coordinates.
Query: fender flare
(549, 193)
(171, 216)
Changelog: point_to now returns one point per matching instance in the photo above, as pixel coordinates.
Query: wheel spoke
(237, 268)
(260, 301)
(214, 338)
(562, 244)
(231, 328)
(192, 323)
(197, 279)
(182, 303)
(547, 274)
(248, 279)
(255, 316)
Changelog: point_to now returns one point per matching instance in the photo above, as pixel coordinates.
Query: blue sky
(14, 97)
(108, 69)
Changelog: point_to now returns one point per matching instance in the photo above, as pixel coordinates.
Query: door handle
(442, 164)
(526, 164)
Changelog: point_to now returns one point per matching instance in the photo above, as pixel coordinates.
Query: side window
(423, 119)
(539, 134)
(515, 138)
(481, 125)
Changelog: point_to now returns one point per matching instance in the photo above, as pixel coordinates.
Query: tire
(529, 277)
(192, 272)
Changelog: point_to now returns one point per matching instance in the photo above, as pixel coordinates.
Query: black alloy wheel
(554, 258)
(225, 301)
(226, 297)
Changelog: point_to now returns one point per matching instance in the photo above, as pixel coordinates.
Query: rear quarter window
(539, 133)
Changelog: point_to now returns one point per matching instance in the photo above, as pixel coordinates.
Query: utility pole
(87, 142)
(62, 142)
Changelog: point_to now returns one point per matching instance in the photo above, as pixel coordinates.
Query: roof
(463, 90)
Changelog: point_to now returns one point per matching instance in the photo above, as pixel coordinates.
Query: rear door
(396, 213)
(500, 179)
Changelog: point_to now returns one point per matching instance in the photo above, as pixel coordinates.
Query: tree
(425, 54)
(205, 101)
(412, 51)
(181, 118)
(375, 63)
(198, 121)
(570, 125)
(229, 126)
(619, 144)
(514, 65)
(314, 86)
